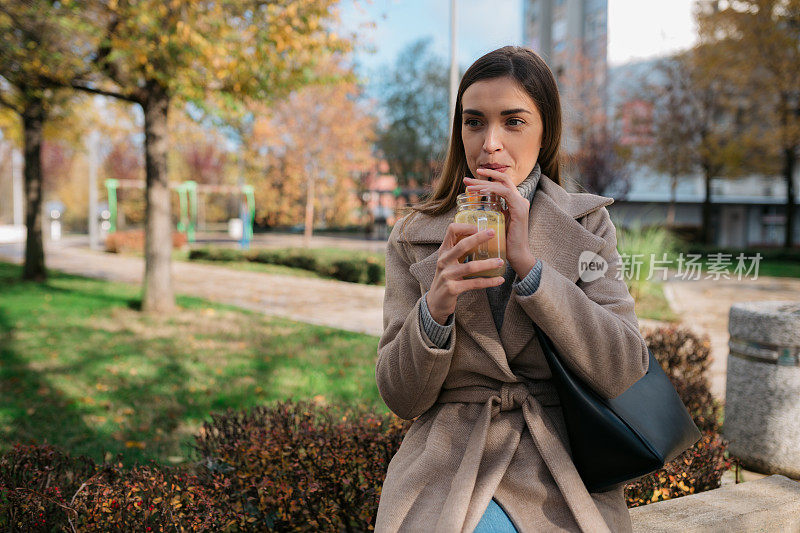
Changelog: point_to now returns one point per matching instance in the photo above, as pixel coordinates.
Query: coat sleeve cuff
(436, 333)
(528, 285)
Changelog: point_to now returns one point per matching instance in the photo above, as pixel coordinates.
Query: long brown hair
(529, 69)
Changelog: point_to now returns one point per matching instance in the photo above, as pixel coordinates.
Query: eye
(467, 121)
(521, 122)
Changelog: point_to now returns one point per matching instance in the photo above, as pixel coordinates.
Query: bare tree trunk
(671, 208)
(707, 233)
(309, 223)
(33, 123)
(788, 174)
(157, 296)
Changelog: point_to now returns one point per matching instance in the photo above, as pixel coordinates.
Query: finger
(486, 187)
(497, 188)
(496, 175)
(474, 185)
(468, 243)
(461, 270)
(477, 283)
(454, 232)
(463, 246)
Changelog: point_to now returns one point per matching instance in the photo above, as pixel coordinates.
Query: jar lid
(481, 198)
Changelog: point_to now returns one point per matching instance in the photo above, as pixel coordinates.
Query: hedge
(368, 269)
(133, 241)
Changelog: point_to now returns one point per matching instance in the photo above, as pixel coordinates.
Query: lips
(495, 166)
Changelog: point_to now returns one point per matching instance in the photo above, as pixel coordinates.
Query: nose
(491, 143)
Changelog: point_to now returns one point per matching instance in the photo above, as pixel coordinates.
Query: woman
(488, 450)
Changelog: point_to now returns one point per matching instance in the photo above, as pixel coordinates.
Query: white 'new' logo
(591, 266)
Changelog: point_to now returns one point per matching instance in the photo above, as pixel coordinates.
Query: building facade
(746, 211)
(572, 37)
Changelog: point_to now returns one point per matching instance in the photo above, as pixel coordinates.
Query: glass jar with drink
(484, 211)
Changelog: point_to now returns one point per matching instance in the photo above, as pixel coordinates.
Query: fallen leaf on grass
(320, 399)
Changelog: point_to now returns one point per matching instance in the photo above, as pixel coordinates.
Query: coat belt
(510, 396)
(531, 397)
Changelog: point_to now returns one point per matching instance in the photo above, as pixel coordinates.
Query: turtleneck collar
(528, 186)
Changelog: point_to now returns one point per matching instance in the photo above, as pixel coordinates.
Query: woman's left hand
(518, 251)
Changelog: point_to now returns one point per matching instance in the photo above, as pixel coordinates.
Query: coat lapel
(556, 237)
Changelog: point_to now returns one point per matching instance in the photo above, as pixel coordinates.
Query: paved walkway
(350, 306)
(702, 304)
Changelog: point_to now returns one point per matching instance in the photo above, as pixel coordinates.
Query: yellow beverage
(495, 247)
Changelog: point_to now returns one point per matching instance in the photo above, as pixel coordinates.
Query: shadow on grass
(61, 391)
(32, 410)
(81, 370)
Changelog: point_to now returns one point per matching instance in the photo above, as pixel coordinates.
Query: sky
(637, 29)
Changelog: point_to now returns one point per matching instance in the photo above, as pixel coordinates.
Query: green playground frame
(187, 197)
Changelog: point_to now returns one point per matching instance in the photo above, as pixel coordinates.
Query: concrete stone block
(762, 411)
(771, 504)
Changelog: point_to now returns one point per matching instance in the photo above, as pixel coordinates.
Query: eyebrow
(503, 113)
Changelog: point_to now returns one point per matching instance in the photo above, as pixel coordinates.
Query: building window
(559, 29)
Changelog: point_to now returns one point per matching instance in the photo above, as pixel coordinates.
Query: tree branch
(9, 105)
(111, 68)
(81, 87)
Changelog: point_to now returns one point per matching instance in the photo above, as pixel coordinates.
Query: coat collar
(556, 236)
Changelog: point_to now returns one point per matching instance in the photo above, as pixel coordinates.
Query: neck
(528, 186)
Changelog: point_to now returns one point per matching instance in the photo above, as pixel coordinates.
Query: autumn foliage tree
(309, 147)
(756, 45)
(161, 53)
(35, 55)
(702, 123)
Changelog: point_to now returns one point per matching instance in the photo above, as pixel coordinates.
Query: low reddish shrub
(37, 484)
(698, 469)
(685, 358)
(133, 241)
(683, 355)
(153, 498)
(299, 467)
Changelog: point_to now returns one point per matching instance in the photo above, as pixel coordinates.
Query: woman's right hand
(449, 282)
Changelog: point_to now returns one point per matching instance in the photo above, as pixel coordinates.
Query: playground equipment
(188, 194)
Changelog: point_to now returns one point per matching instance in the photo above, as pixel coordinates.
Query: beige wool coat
(488, 421)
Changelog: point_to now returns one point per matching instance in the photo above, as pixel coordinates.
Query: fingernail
(491, 233)
(499, 261)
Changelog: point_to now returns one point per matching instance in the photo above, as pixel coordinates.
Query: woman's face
(501, 125)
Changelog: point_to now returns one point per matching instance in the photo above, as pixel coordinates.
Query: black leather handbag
(624, 438)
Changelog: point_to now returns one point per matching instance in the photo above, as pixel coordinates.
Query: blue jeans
(495, 520)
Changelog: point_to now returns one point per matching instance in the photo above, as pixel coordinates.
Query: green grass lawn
(651, 302)
(80, 367)
(779, 267)
(774, 262)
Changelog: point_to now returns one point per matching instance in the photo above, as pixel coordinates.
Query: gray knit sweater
(439, 334)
